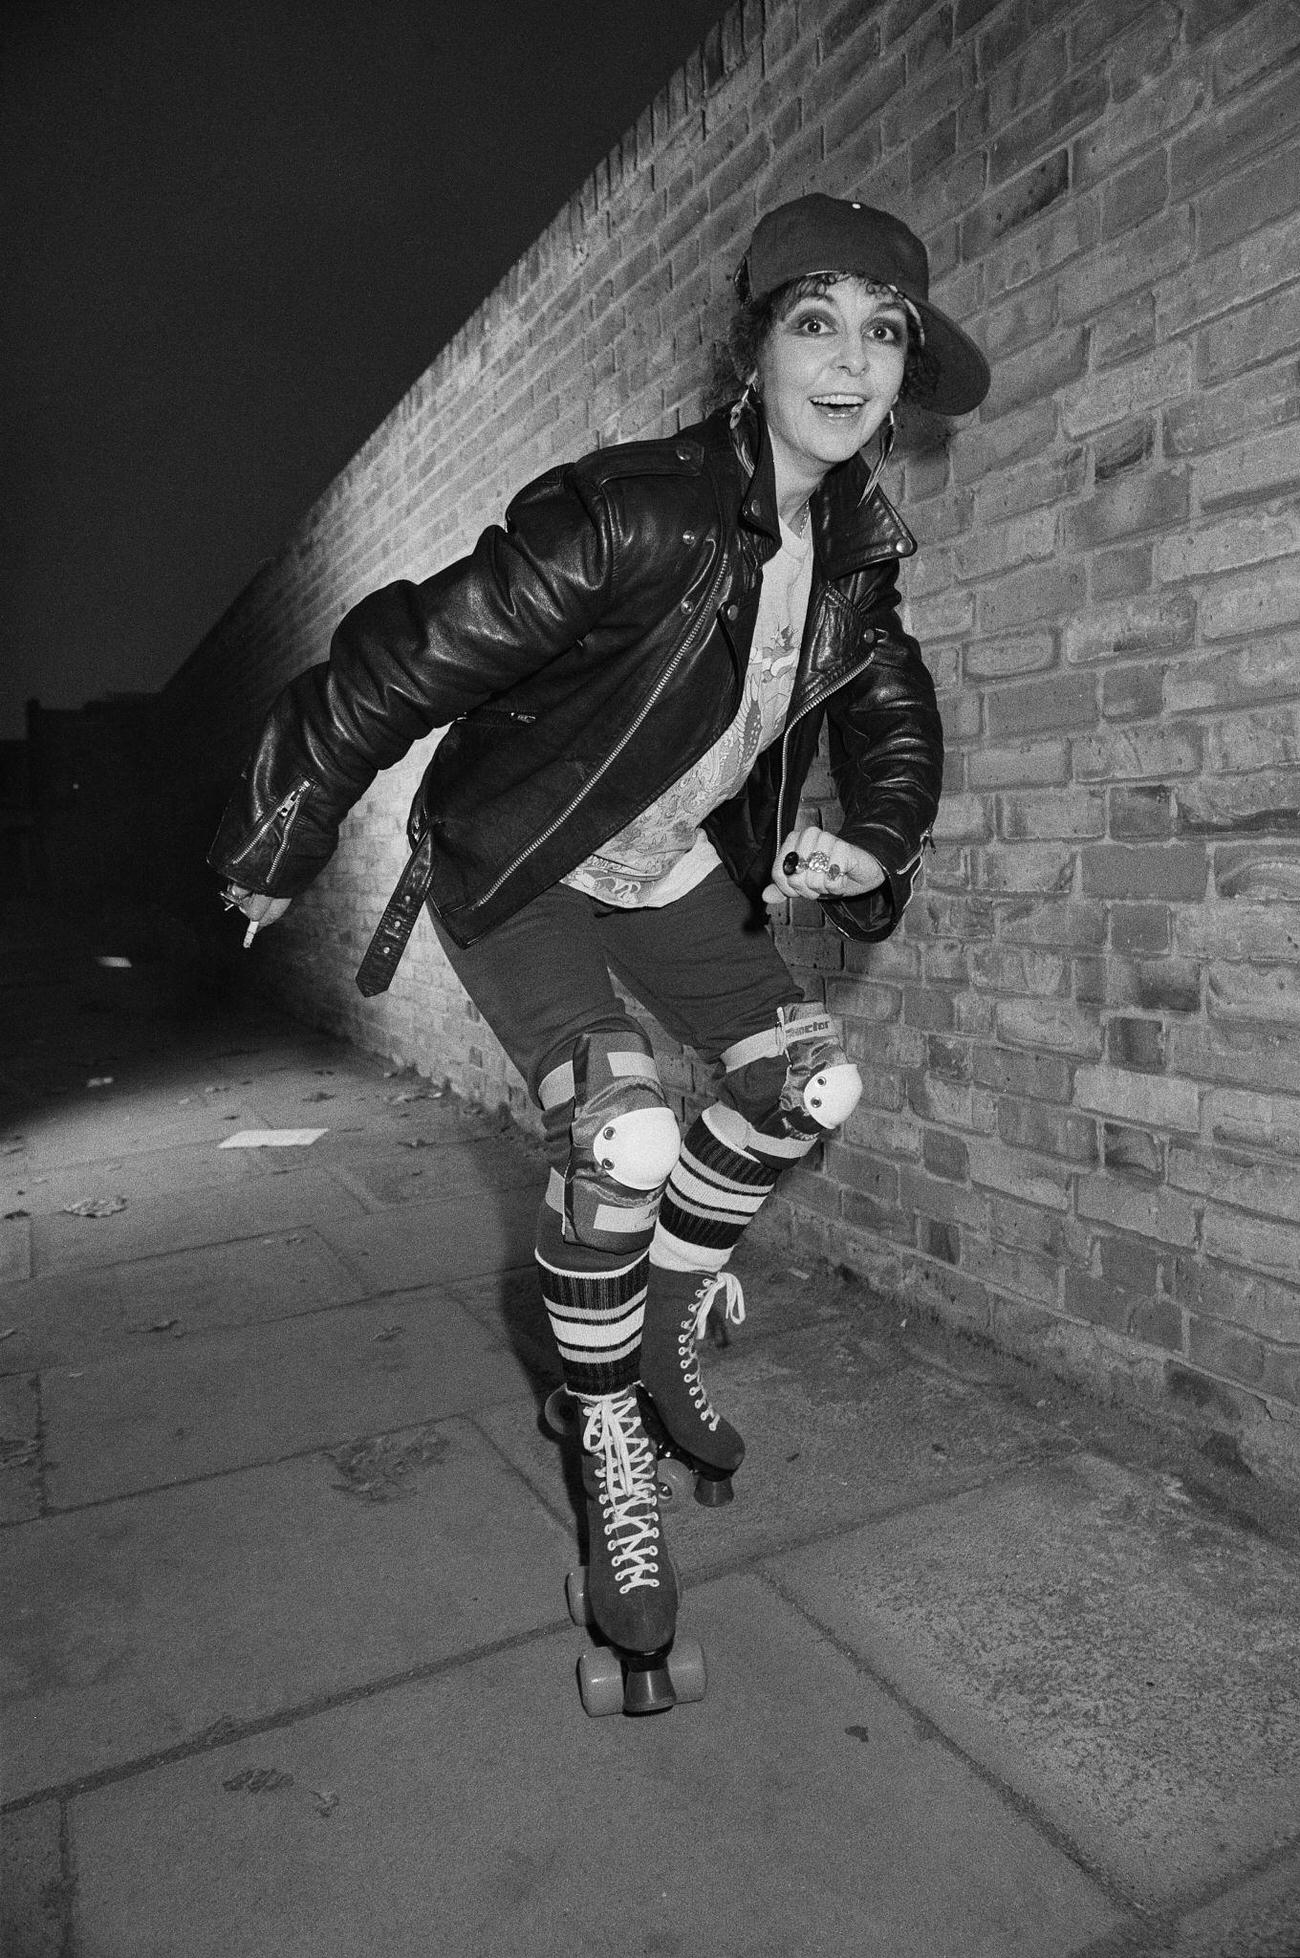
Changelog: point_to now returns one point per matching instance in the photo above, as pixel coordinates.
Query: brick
(1174, 872)
(1130, 754)
(1137, 1154)
(1253, 674)
(1269, 993)
(1163, 622)
(1067, 701)
(1214, 1289)
(1258, 871)
(1242, 1181)
(1141, 813)
(1266, 399)
(1052, 921)
(1148, 1210)
(1158, 377)
(1056, 1025)
(993, 549)
(1033, 1277)
(1267, 465)
(1023, 597)
(1132, 693)
(1122, 573)
(945, 1156)
(1030, 765)
(1136, 1045)
(1252, 601)
(1000, 659)
(1039, 372)
(1029, 1125)
(1263, 803)
(1233, 542)
(1154, 1322)
(1112, 1091)
(1262, 1244)
(1250, 337)
(1070, 813)
(1243, 1053)
(1128, 506)
(1137, 928)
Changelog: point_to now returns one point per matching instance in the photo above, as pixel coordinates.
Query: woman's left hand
(816, 863)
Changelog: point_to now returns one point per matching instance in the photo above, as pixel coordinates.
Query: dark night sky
(236, 231)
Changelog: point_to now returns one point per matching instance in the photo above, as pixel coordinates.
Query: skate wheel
(600, 1683)
(675, 1481)
(575, 1595)
(686, 1669)
(560, 1413)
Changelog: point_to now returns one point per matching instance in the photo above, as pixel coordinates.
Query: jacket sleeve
(886, 756)
(406, 660)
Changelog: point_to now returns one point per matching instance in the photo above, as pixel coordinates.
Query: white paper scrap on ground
(272, 1138)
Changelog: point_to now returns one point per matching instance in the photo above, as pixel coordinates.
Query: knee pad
(623, 1141)
(818, 1090)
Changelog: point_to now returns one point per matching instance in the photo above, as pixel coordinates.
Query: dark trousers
(705, 967)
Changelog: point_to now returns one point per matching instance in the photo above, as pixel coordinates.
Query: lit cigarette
(251, 933)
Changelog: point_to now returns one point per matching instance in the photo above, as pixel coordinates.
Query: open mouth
(839, 407)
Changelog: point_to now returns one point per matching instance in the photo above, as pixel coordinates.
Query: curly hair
(753, 320)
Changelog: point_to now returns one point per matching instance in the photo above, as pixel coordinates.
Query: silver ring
(818, 861)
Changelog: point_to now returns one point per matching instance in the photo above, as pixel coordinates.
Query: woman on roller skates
(633, 674)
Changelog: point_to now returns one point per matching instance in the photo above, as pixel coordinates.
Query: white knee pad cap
(638, 1149)
(831, 1095)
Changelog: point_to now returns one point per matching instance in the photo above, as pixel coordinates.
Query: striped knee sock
(714, 1191)
(595, 1301)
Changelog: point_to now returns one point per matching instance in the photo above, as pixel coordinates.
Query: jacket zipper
(817, 700)
(286, 811)
(704, 615)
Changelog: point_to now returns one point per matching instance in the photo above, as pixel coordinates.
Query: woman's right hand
(257, 906)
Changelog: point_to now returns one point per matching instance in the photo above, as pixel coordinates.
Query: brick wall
(1081, 1129)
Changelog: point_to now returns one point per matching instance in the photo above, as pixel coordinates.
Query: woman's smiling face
(829, 372)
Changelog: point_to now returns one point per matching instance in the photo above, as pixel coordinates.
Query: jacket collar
(854, 523)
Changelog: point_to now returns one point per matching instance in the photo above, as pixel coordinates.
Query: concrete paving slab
(509, 1305)
(151, 1225)
(91, 1129)
(1258, 1919)
(74, 1317)
(150, 1173)
(15, 1248)
(181, 1408)
(795, 1810)
(1128, 1665)
(133, 1627)
(20, 1429)
(32, 1895)
(55, 1319)
(387, 1174)
(462, 1237)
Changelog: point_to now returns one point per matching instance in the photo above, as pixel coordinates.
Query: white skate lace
(693, 1328)
(613, 1433)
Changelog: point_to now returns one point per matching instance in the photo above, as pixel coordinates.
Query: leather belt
(383, 954)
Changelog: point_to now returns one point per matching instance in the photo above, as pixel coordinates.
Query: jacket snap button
(686, 605)
(733, 610)
(688, 537)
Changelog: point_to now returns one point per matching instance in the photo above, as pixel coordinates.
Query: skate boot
(675, 1405)
(629, 1589)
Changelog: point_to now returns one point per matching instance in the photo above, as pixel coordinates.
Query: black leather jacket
(581, 659)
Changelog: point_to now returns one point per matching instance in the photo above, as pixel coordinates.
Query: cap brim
(958, 377)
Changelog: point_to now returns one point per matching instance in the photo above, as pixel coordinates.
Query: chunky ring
(818, 861)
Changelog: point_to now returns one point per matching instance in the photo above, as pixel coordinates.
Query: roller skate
(627, 1593)
(698, 1450)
